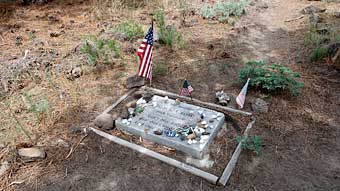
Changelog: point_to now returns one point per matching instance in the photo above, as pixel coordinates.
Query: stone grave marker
(185, 127)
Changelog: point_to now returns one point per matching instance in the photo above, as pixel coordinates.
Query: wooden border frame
(223, 180)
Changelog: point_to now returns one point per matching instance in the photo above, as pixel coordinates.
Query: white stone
(141, 101)
(3, 168)
(104, 121)
(31, 153)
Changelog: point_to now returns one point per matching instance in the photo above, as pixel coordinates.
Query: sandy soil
(301, 148)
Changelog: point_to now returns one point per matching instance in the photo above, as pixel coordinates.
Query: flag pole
(151, 55)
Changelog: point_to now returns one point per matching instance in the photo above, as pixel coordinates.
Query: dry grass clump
(103, 9)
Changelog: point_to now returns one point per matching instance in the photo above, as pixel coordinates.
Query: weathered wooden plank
(109, 109)
(232, 163)
(210, 177)
(195, 101)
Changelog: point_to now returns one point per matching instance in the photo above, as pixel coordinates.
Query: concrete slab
(162, 114)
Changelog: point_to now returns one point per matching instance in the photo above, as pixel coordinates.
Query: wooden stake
(198, 172)
(195, 101)
(232, 163)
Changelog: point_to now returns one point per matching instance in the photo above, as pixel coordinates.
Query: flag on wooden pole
(241, 98)
(145, 55)
(187, 89)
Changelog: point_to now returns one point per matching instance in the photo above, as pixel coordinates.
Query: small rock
(158, 132)
(4, 167)
(55, 34)
(131, 111)
(31, 154)
(222, 98)
(135, 81)
(76, 72)
(260, 106)
(311, 9)
(141, 102)
(75, 129)
(191, 136)
(104, 121)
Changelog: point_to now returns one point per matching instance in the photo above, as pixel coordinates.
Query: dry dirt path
(300, 152)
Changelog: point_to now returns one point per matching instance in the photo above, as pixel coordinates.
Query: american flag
(187, 89)
(241, 98)
(145, 55)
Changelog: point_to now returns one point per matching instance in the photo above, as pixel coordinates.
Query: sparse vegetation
(319, 53)
(224, 10)
(99, 51)
(103, 9)
(159, 69)
(130, 29)
(271, 78)
(40, 108)
(251, 143)
(168, 35)
(318, 37)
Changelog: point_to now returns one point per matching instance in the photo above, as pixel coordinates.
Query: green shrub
(99, 50)
(168, 36)
(318, 37)
(319, 53)
(131, 29)
(39, 108)
(271, 78)
(224, 10)
(251, 143)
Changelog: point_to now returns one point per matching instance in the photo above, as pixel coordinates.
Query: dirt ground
(301, 145)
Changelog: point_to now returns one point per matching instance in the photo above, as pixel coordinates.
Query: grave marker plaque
(162, 114)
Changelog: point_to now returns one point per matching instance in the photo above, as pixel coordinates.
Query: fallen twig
(13, 183)
(74, 148)
(294, 19)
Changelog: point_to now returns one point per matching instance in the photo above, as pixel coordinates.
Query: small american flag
(145, 55)
(241, 98)
(187, 89)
